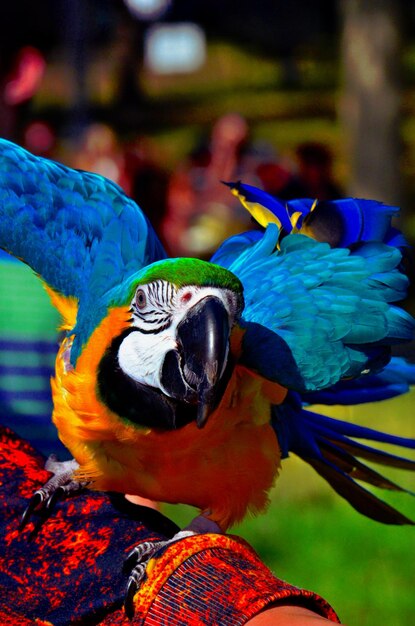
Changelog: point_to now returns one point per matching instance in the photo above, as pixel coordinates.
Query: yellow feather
(314, 205)
(261, 214)
(294, 220)
(66, 305)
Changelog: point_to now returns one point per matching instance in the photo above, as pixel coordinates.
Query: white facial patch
(141, 356)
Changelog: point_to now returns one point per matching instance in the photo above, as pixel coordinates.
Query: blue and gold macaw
(187, 381)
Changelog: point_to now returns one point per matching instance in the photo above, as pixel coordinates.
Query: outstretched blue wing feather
(68, 225)
(325, 289)
(327, 306)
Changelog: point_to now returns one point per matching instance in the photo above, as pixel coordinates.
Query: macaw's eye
(140, 299)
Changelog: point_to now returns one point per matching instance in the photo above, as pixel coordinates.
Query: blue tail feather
(329, 426)
(329, 446)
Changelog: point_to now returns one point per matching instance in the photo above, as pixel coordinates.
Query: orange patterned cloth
(214, 579)
(70, 572)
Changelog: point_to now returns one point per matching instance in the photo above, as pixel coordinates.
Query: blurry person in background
(314, 178)
(133, 165)
(200, 210)
(99, 151)
(28, 323)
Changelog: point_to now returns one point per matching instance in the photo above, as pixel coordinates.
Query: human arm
(287, 615)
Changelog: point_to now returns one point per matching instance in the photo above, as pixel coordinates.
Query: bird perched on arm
(181, 380)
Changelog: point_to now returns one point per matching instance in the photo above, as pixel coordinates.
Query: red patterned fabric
(70, 572)
(214, 579)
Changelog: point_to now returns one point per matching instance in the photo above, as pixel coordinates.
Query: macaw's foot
(137, 561)
(59, 486)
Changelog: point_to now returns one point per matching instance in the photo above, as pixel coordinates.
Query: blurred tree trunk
(371, 103)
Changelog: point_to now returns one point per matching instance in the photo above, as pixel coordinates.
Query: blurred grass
(312, 538)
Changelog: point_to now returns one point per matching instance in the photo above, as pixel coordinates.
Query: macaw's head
(172, 364)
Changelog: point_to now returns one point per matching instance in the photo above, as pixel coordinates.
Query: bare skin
(288, 616)
(142, 501)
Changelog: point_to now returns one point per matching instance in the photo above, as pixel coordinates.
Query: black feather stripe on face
(134, 401)
(156, 313)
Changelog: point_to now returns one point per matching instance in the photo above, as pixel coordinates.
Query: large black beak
(196, 369)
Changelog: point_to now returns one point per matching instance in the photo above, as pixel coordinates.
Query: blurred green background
(296, 71)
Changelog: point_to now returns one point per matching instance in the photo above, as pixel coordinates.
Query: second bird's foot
(137, 561)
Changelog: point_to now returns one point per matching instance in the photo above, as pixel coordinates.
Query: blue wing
(315, 314)
(77, 230)
(318, 312)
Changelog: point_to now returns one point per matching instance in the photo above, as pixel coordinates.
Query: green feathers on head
(180, 272)
(183, 271)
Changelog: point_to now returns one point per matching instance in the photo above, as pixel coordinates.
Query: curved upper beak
(195, 371)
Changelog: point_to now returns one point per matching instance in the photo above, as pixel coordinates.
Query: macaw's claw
(57, 487)
(138, 559)
(136, 563)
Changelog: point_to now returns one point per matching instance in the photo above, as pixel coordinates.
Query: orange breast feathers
(224, 469)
